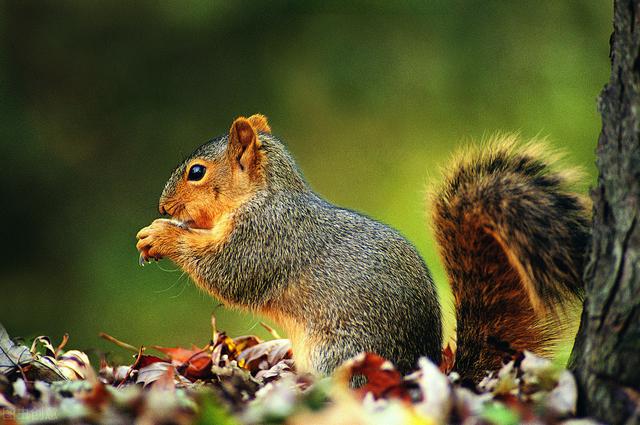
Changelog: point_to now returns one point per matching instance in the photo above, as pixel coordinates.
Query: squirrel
(248, 229)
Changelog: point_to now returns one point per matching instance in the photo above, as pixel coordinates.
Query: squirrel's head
(219, 176)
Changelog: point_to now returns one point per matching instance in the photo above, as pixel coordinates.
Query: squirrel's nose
(162, 210)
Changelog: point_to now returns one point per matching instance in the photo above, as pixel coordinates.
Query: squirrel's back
(383, 298)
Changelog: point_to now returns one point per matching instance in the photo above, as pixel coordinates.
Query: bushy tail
(513, 238)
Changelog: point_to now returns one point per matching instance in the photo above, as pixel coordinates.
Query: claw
(141, 260)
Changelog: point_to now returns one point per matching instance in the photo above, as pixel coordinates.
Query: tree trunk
(606, 355)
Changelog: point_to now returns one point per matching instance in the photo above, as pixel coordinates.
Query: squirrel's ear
(243, 144)
(260, 123)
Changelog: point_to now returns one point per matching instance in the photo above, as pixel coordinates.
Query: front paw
(158, 240)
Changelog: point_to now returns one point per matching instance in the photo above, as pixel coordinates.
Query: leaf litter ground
(245, 380)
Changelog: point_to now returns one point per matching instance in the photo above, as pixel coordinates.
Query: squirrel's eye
(196, 172)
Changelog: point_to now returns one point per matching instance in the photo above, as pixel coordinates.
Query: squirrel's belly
(301, 347)
(301, 344)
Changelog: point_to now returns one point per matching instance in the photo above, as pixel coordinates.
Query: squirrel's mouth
(182, 217)
(189, 224)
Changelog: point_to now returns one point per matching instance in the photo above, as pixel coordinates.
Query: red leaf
(98, 398)
(198, 366)
(448, 360)
(383, 380)
(145, 360)
(178, 354)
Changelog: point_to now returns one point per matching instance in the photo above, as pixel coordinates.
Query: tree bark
(606, 354)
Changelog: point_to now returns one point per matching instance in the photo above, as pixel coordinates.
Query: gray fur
(365, 287)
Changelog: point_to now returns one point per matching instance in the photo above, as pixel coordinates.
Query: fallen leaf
(44, 368)
(448, 359)
(563, 399)
(247, 341)
(46, 343)
(98, 398)
(382, 378)
(436, 391)
(179, 355)
(74, 364)
(12, 356)
(198, 366)
(151, 373)
(265, 355)
(145, 360)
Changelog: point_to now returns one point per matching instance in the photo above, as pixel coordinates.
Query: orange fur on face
(228, 181)
(199, 204)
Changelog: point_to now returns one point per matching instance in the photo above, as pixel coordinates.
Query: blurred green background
(100, 100)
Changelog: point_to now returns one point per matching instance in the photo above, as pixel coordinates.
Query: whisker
(184, 286)
(172, 285)
(177, 269)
